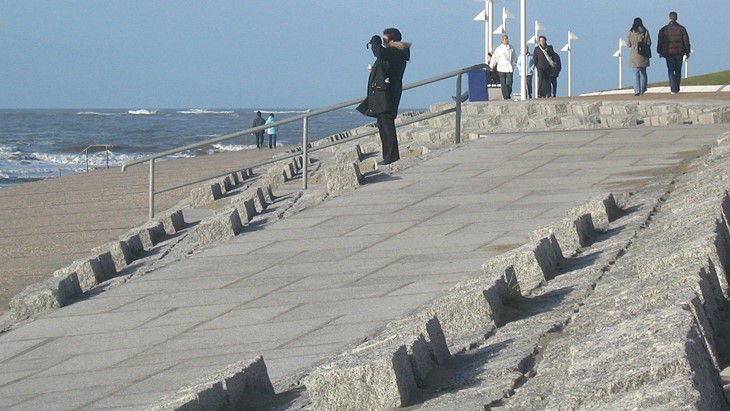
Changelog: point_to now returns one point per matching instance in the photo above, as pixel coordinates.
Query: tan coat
(637, 60)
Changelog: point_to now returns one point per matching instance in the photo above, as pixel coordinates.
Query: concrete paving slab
(302, 288)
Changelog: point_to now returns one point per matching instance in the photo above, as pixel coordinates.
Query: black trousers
(543, 83)
(388, 138)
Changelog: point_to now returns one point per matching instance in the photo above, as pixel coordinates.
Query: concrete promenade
(299, 290)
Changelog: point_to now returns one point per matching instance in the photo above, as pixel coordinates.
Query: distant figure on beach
(638, 62)
(529, 67)
(554, 73)
(259, 121)
(543, 55)
(385, 86)
(504, 60)
(673, 45)
(271, 131)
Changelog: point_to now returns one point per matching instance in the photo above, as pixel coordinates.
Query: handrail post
(457, 132)
(87, 159)
(107, 156)
(152, 190)
(305, 152)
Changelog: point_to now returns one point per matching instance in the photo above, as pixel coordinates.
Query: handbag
(644, 49)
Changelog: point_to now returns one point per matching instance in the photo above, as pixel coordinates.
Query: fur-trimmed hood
(400, 45)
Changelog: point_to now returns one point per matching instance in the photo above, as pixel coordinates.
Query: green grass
(712, 79)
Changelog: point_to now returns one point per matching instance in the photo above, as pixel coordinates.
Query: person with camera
(385, 86)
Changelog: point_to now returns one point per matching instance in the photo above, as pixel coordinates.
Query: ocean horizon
(38, 144)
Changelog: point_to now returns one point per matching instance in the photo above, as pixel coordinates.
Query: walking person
(554, 73)
(385, 86)
(259, 121)
(504, 60)
(529, 67)
(638, 34)
(543, 56)
(271, 131)
(673, 45)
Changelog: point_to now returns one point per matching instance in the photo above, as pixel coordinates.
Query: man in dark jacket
(544, 62)
(554, 73)
(673, 45)
(385, 87)
(259, 121)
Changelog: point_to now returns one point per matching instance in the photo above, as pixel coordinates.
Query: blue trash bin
(478, 85)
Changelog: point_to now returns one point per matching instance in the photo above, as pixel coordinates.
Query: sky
(304, 54)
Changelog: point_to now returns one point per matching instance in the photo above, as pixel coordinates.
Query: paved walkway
(299, 290)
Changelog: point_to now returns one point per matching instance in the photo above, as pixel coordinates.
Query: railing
(86, 152)
(305, 144)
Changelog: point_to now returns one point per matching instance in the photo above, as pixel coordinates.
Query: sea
(42, 144)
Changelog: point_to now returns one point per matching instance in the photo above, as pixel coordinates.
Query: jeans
(259, 139)
(674, 69)
(505, 81)
(528, 83)
(639, 80)
(272, 140)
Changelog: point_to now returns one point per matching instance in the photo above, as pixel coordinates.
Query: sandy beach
(46, 225)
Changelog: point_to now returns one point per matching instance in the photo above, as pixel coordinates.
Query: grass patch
(712, 79)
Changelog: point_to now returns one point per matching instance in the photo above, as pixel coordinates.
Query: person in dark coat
(554, 73)
(385, 86)
(673, 45)
(259, 121)
(544, 63)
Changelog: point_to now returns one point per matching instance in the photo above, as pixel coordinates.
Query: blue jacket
(271, 130)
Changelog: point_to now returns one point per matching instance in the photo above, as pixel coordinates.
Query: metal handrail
(305, 145)
(86, 151)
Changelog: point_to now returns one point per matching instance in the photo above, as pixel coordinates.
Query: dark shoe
(637, 94)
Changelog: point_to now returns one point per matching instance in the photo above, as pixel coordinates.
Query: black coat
(541, 62)
(385, 82)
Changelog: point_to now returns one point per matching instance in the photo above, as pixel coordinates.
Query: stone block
(513, 122)
(260, 200)
(619, 121)
(172, 221)
(149, 234)
(571, 233)
(376, 378)
(342, 177)
(471, 308)
(585, 109)
(533, 264)
(107, 265)
(347, 156)
(618, 109)
(713, 117)
(246, 209)
(119, 251)
(579, 121)
(46, 295)
(223, 225)
(89, 272)
(133, 244)
(603, 210)
(543, 122)
(206, 193)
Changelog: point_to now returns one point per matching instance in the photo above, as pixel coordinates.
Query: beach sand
(46, 225)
